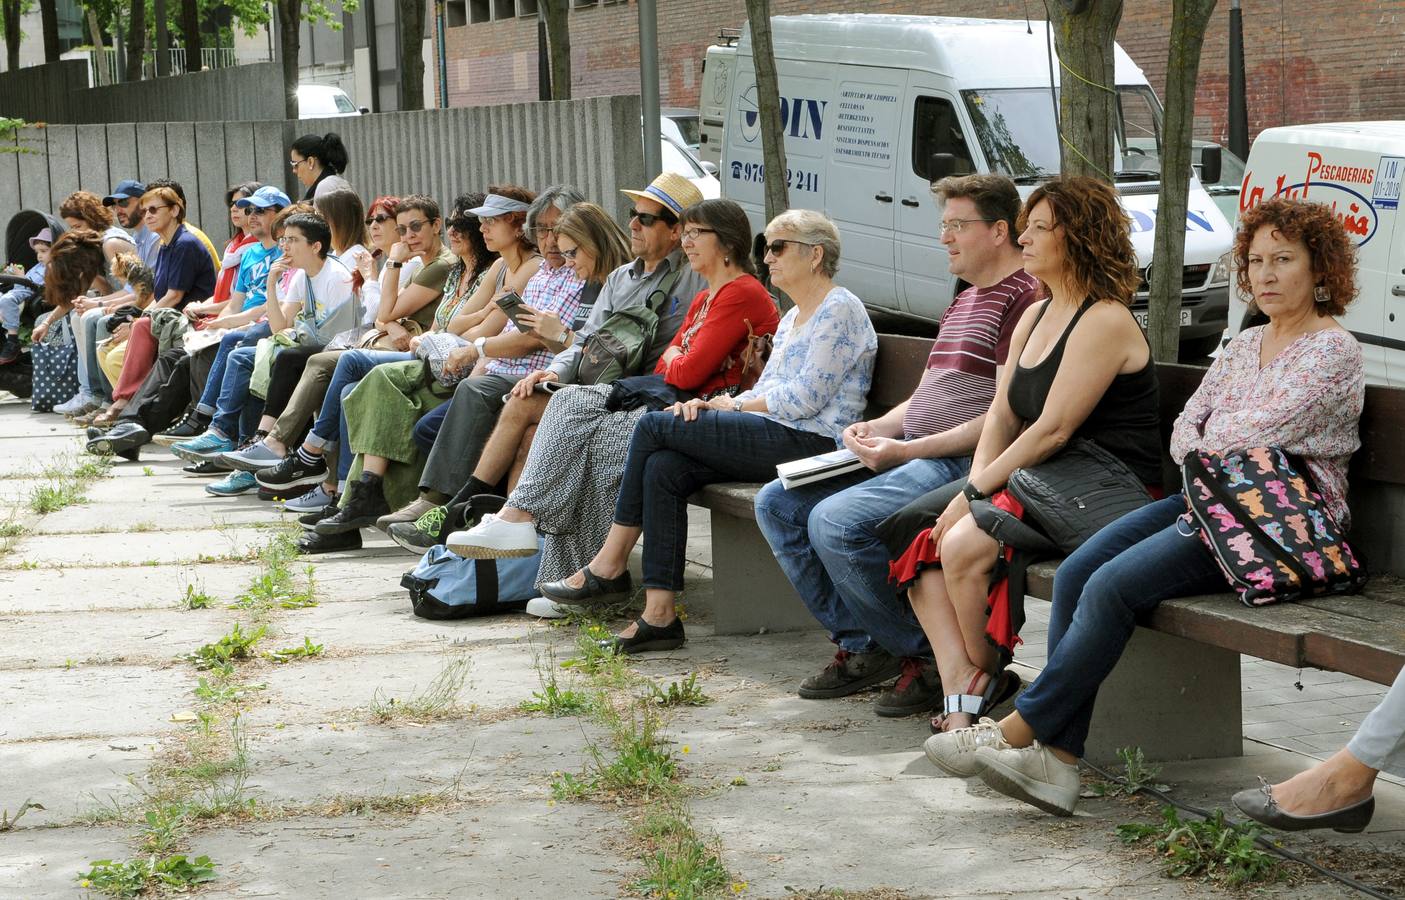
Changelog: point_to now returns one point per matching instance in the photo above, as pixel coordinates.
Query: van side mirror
(940, 165)
(709, 167)
(364, 110)
(1211, 162)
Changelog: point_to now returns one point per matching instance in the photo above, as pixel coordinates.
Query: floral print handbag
(1261, 516)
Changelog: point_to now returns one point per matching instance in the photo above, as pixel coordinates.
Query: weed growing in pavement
(55, 496)
(681, 865)
(1137, 774)
(134, 877)
(679, 693)
(221, 691)
(275, 585)
(237, 645)
(148, 471)
(308, 650)
(439, 700)
(196, 598)
(1210, 849)
(11, 528)
(7, 822)
(553, 699)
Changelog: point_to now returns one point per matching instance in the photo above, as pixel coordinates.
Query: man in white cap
(659, 276)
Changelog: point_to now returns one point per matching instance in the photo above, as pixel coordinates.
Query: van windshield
(1016, 130)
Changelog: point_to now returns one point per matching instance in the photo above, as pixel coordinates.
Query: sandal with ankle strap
(1002, 686)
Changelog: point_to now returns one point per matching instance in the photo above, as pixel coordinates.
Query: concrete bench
(1176, 691)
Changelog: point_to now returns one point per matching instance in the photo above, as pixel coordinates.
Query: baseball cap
(130, 189)
(672, 190)
(265, 197)
(498, 205)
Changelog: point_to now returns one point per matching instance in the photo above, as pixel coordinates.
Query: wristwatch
(973, 493)
(394, 264)
(736, 406)
(478, 345)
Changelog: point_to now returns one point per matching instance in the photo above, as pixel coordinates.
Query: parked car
(678, 158)
(325, 101)
(688, 126)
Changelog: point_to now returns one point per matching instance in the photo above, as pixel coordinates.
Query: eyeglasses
(290, 239)
(461, 224)
(294, 163)
(489, 220)
(954, 226)
(152, 210)
(411, 227)
(691, 234)
(777, 247)
(542, 231)
(571, 254)
(648, 220)
(379, 220)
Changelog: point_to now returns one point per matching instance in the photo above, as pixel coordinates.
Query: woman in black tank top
(1080, 367)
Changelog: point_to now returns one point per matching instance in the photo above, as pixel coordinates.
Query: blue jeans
(352, 366)
(11, 303)
(824, 537)
(670, 459)
(243, 337)
(427, 428)
(90, 375)
(1121, 574)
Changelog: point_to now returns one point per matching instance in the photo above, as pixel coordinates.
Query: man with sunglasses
(824, 534)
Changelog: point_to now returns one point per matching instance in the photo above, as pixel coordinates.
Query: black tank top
(1126, 420)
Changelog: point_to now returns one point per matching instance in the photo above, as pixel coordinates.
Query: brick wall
(1306, 61)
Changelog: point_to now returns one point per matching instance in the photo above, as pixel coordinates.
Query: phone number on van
(794, 178)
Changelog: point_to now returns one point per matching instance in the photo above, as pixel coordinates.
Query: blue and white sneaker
(232, 485)
(208, 446)
(312, 501)
(252, 458)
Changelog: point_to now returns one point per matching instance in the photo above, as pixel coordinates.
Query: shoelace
(840, 657)
(973, 737)
(912, 670)
(432, 521)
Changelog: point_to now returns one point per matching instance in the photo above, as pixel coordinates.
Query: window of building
(504, 9)
(479, 11)
(526, 7)
(456, 13)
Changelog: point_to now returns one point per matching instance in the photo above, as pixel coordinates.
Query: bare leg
(612, 559)
(266, 424)
(659, 609)
(502, 448)
(520, 462)
(374, 465)
(1018, 734)
(1338, 781)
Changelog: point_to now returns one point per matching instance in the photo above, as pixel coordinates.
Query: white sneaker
(954, 752)
(1032, 774)
(546, 608)
(77, 405)
(492, 538)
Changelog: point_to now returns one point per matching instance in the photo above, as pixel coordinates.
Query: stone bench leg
(1175, 698)
(749, 591)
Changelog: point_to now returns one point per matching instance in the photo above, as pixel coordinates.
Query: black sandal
(650, 637)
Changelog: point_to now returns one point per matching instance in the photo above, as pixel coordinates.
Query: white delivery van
(876, 107)
(715, 98)
(1356, 168)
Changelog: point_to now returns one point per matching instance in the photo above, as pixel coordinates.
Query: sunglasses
(379, 220)
(777, 247)
(411, 228)
(152, 210)
(461, 224)
(648, 220)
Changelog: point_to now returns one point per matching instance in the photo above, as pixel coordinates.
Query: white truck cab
(876, 107)
(1356, 168)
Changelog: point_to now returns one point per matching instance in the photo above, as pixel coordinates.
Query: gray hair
(815, 229)
(561, 196)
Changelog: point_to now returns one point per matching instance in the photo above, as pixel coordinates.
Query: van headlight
(1220, 273)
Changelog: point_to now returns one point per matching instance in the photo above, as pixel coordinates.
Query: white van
(875, 107)
(1356, 168)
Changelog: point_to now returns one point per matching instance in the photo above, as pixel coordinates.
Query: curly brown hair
(88, 207)
(1332, 255)
(1097, 236)
(74, 261)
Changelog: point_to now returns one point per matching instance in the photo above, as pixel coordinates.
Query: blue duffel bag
(443, 585)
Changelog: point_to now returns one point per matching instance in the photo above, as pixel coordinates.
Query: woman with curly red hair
(1297, 383)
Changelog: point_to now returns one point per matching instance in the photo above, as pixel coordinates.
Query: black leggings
(283, 379)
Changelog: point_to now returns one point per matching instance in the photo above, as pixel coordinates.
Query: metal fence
(593, 144)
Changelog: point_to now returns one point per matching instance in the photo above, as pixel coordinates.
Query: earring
(1320, 294)
(726, 260)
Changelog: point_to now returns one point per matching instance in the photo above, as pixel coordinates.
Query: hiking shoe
(425, 532)
(206, 467)
(312, 501)
(312, 542)
(365, 502)
(954, 752)
(292, 471)
(546, 608)
(1032, 774)
(252, 458)
(125, 439)
(310, 519)
(10, 350)
(209, 445)
(232, 485)
(191, 425)
(79, 404)
(494, 538)
(848, 673)
(408, 513)
(918, 690)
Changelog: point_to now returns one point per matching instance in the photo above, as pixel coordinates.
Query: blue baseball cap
(266, 197)
(125, 190)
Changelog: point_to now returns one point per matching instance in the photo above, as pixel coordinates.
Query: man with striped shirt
(823, 533)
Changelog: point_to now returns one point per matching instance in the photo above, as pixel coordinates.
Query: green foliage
(683, 869)
(439, 700)
(237, 645)
(308, 650)
(1137, 774)
(196, 598)
(685, 693)
(274, 586)
(553, 699)
(53, 497)
(7, 821)
(1208, 849)
(221, 691)
(134, 877)
(565, 786)
(12, 529)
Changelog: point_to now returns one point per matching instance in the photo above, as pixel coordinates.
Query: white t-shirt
(331, 288)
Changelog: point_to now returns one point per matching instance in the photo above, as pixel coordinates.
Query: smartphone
(510, 303)
(541, 387)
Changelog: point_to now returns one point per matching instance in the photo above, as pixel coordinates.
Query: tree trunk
(289, 44)
(190, 34)
(768, 107)
(1084, 31)
(136, 42)
(412, 14)
(558, 41)
(49, 18)
(11, 10)
(1189, 19)
(163, 38)
(99, 48)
